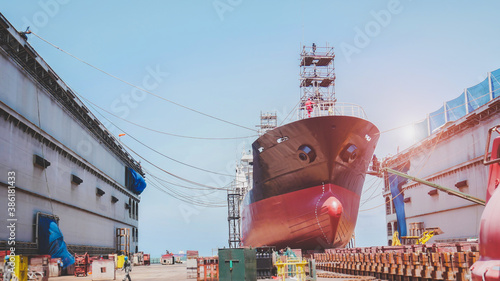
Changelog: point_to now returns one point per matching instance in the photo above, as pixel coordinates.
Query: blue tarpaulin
(437, 119)
(51, 241)
(495, 83)
(396, 183)
(135, 182)
(478, 95)
(455, 108)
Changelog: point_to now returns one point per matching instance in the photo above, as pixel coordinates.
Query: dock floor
(157, 272)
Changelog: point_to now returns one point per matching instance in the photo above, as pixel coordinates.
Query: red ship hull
(488, 266)
(313, 218)
(308, 178)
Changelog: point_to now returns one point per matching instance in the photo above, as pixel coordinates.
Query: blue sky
(399, 60)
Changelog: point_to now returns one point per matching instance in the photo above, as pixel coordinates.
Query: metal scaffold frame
(317, 80)
(235, 194)
(268, 121)
(123, 241)
(234, 197)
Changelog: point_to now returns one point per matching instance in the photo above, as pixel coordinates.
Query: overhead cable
(140, 88)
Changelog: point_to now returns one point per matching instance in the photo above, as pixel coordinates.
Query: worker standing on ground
(7, 269)
(127, 267)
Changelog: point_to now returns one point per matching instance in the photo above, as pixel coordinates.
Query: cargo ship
(308, 174)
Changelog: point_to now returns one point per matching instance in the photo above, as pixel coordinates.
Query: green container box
(237, 264)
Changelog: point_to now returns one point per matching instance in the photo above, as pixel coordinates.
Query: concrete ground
(157, 272)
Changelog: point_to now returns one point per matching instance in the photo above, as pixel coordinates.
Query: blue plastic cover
(137, 183)
(478, 95)
(455, 108)
(51, 241)
(396, 184)
(436, 119)
(495, 83)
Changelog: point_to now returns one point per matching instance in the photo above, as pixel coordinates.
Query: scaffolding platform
(320, 82)
(308, 60)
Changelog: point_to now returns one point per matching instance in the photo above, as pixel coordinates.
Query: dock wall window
(137, 211)
(389, 229)
(387, 206)
(130, 207)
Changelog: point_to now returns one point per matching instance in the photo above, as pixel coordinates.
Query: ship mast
(317, 81)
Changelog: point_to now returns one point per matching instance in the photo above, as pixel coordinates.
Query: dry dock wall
(451, 157)
(33, 122)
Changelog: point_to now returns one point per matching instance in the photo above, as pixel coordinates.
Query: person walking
(127, 267)
(7, 269)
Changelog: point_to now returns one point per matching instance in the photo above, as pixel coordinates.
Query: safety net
(471, 99)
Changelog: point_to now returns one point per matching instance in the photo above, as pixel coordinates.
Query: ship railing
(331, 108)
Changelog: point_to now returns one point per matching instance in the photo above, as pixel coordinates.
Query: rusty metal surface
(344, 277)
(488, 266)
(432, 262)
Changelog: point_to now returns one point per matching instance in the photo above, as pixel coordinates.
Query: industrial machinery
(421, 239)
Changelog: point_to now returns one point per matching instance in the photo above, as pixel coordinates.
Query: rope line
(158, 131)
(140, 88)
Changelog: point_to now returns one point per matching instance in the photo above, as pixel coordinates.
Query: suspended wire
(158, 131)
(293, 110)
(390, 200)
(159, 179)
(373, 195)
(402, 189)
(372, 186)
(177, 161)
(183, 199)
(43, 152)
(171, 174)
(166, 156)
(140, 88)
(189, 197)
(373, 180)
(179, 185)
